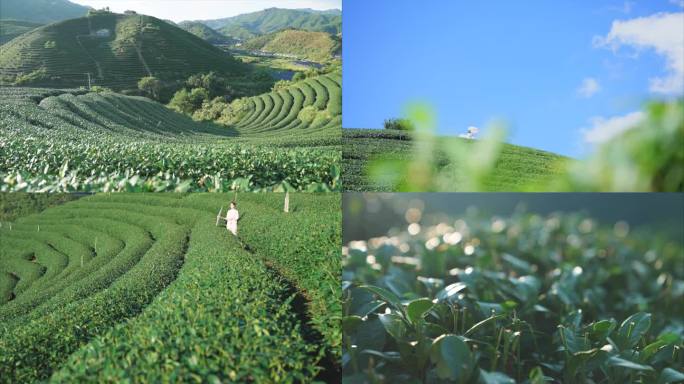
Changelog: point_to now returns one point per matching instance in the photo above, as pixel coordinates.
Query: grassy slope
(275, 19)
(60, 54)
(9, 29)
(313, 46)
(41, 11)
(517, 166)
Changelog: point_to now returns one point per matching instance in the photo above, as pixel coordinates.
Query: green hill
(202, 31)
(308, 45)
(9, 29)
(117, 50)
(41, 11)
(272, 20)
(516, 168)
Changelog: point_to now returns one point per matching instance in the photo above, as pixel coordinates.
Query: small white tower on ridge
(470, 134)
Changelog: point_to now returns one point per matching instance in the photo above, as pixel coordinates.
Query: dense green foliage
(117, 50)
(54, 140)
(271, 20)
(373, 160)
(525, 299)
(9, 29)
(41, 11)
(307, 45)
(15, 205)
(145, 287)
(205, 33)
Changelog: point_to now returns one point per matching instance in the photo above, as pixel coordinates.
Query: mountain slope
(313, 46)
(117, 50)
(9, 29)
(41, 11)
(202, 31)
(275, 19)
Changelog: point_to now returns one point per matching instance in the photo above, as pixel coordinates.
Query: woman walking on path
(232, 217)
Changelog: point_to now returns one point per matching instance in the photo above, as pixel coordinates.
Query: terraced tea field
(516, 167)
(145, 287)
(71, 140)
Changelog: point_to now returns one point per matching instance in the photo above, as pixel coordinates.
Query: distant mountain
(312, 46)
(41, 11)
(202, 31)
(333, 12)
(116, 50)
(9, 29)
(272, 20)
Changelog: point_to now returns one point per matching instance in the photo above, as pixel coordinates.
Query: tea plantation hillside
(516, 167)
(71, 140)
(9, 29)
(146, 288)
(312, 46)
(41, 11)
(313, 105)
(116, 50)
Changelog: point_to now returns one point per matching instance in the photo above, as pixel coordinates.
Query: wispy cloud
(589, 87)
(603, 129)
(662, 33)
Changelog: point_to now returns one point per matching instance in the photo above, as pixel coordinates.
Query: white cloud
(662, 32)
(678, 2)
(603, 129)
(588, 87)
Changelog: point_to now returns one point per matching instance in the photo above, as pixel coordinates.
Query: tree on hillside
(187, 102)
(151, 86)
(399, 124)
(212, 110)
(215, 84)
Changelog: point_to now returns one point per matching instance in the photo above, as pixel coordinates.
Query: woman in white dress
(232, 217)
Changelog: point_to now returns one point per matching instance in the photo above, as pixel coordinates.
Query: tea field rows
(145, 287)
(71, 140)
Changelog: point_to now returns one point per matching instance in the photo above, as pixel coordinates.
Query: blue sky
(564, 75)
(180, 10)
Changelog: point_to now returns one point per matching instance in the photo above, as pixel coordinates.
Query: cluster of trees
(200, 89)
(197, 90)
(399, 124)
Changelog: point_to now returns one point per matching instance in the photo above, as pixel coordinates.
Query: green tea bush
(317, 276)
(526, 299)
